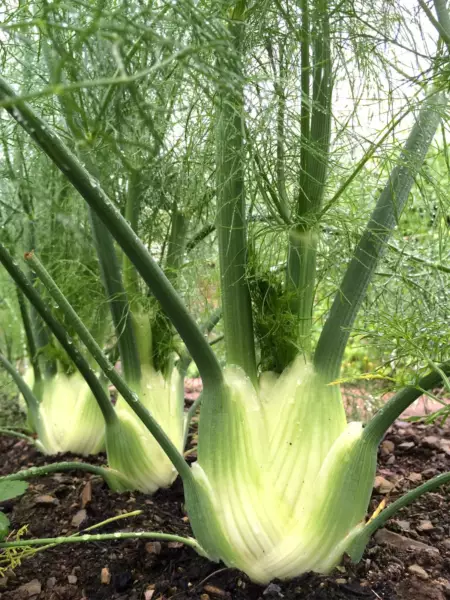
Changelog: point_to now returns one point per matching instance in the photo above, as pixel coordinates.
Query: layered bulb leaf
(132, 449)
(282, 483)
(69, 419)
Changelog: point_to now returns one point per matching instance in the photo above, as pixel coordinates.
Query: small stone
(404, 525)
(418, 571)
(3, 583)
(51, 582)
(105, 576)
(382, 485)
(204, 597)
(406, 445)
(390, 460)
(212, 590)
(175, 545)
(430, 472)
(341, 581)
(432, 442)
(72, 579)
(32, 588)
(86, 494)
(384, 536)
(46, 499)
(153, 547)
(425, 526)
(415, 477)
(446, 543)
(148, 594)
(271, 589)
(79, 517)
(387, 447)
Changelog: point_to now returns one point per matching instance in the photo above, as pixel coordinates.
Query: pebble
(153, 547)
(86, 494)
(46, 499)
(425, 526)
(3, 583)
(404, 525)
(72, 579)
(415, 477)
(387, 447)
(432, 442)
(79, 517)
(406, 445)
(382, 485)
(105, 576)
(32, 588)
(418, 571)
(212, 590)
(384, 536)
(51, 582)
(430, 472)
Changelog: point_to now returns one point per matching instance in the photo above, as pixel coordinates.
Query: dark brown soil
(139, 571)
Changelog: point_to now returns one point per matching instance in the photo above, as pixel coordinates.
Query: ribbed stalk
(162, 329)
(59, 332)
(129, 396)
(315, 124)
(336, 331)
(56, 468)
(103, 537)
(117, 298)
(31, 401)
(132, 212)
(231, 218)
(358, 545)
(108, 262)
(94, 195)
(394, 407)
(40, 334)
(29, 335)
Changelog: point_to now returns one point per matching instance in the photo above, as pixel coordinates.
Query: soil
(394, 567)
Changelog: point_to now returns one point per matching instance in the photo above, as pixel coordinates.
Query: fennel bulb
(282, 483)
(131, 448)
(69, 418)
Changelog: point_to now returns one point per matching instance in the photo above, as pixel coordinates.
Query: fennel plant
(282, 482)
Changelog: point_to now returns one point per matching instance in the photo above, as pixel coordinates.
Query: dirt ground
(408, 560)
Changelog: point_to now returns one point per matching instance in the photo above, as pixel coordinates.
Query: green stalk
(315, 126)
(380, 423)
(231, 218)
(31, 401)
(41, 335)
(356, 549)
(60, 467)
(132, 212)
(162, 329)
(336, 331)
(129, 396)
(103, 537)
(104, 245)
(18, 434)
(31, 341)
(117, 298)
(176, 245)
(91, 191)
(60, 333)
